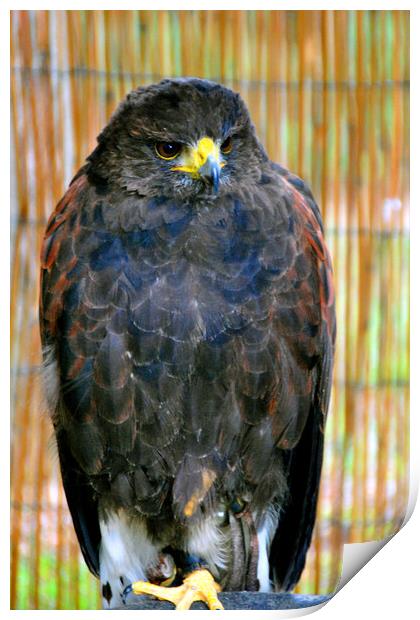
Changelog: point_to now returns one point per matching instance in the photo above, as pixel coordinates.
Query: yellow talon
(198, 586)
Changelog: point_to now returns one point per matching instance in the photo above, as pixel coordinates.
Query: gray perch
(236, 600)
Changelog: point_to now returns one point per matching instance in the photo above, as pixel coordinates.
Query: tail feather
(294, 531)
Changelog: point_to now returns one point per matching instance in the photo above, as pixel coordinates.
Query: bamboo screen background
(329, 94)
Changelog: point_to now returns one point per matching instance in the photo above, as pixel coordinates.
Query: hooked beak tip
(211, 172)
(215, 177)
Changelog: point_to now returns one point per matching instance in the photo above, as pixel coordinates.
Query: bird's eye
(168, 150)
(226, 146)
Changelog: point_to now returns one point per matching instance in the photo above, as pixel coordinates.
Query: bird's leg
(163, 573)
(198, 585)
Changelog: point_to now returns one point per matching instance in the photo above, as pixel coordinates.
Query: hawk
(187, 324)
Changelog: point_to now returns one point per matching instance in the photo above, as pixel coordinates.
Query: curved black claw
(126, 592)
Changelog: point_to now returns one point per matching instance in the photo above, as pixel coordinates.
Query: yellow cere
(194, 158)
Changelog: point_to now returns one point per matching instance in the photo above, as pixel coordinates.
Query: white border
(388, 584)
(181, 5)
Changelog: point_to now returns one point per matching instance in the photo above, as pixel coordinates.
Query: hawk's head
(180, 137)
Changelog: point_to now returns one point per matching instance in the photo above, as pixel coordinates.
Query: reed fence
(329, 95)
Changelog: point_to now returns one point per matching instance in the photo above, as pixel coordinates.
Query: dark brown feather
(193, 333)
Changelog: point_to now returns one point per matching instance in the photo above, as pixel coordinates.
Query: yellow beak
(203, 161)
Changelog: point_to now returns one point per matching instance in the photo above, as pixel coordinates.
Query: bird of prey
(187, 323)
